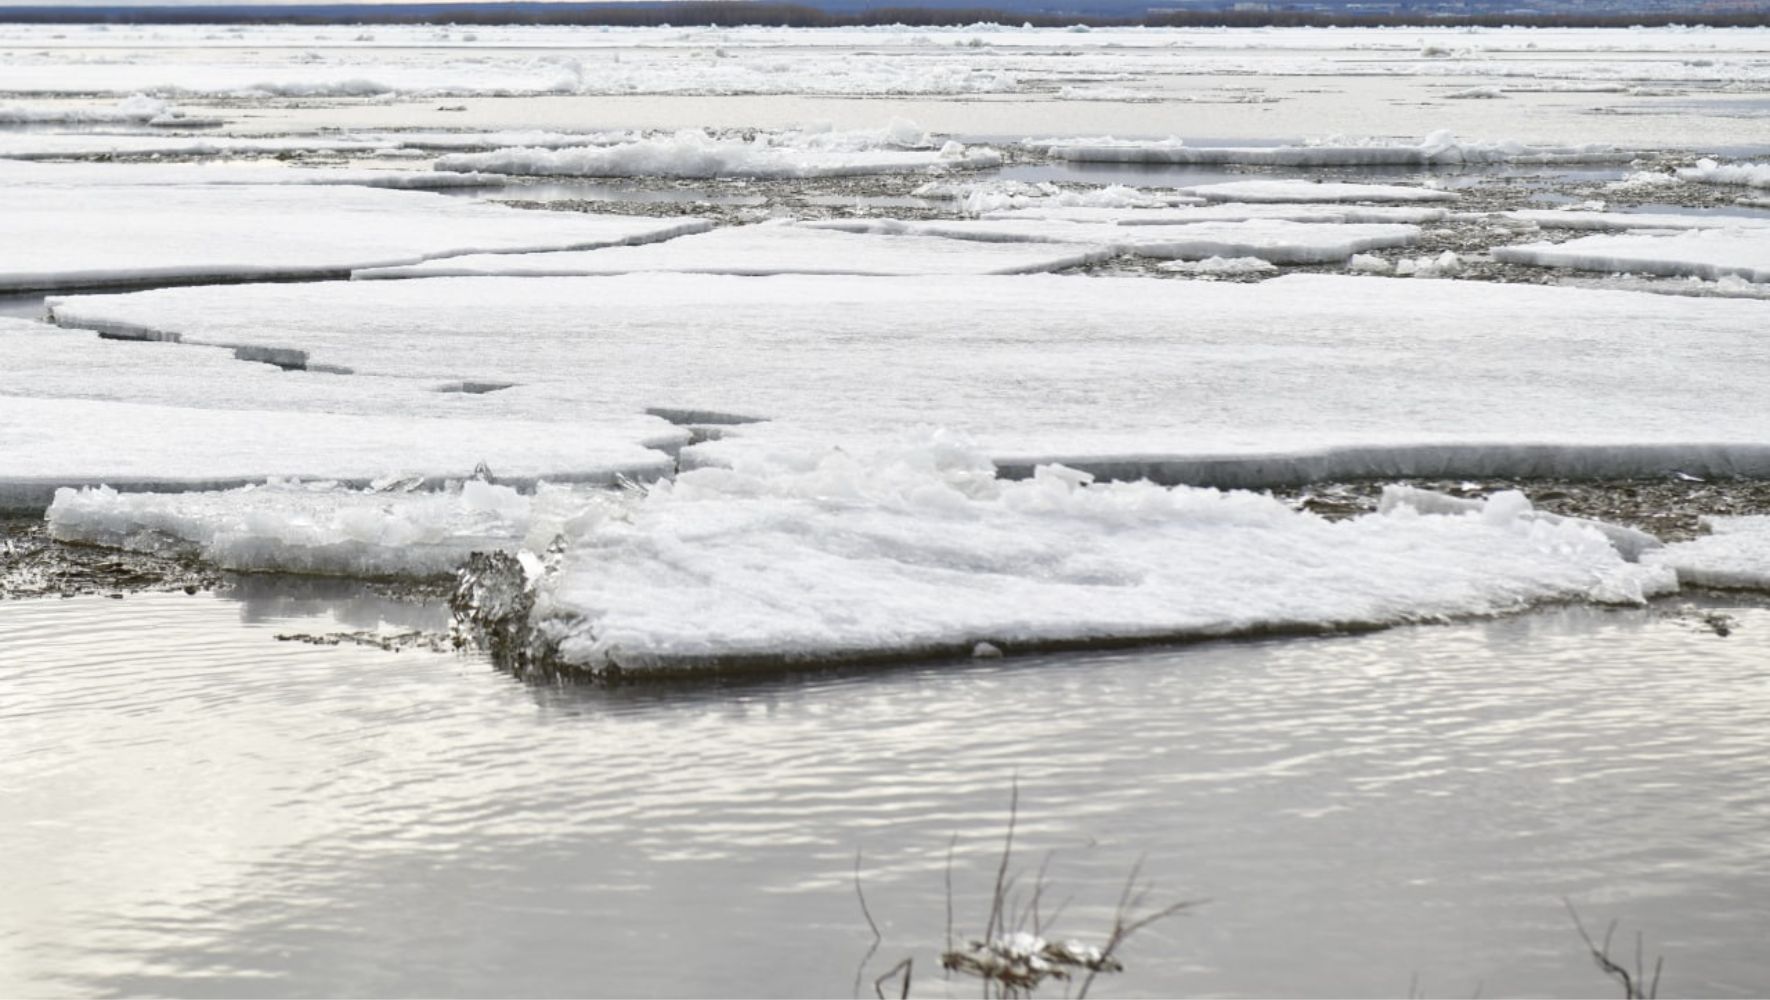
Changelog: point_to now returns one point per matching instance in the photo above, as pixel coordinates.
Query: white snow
(923, 551)
(321, 527)
(1734, 555)
(1709, 171)
(1438, 149)
(1128, 376)
(73, 237)
(772, 248)
(695, 153)
(1703, 253)
(1297, 190)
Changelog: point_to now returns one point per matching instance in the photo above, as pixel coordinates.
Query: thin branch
(954, 842)
(1635, 985)
(904, 967)
(995, 913)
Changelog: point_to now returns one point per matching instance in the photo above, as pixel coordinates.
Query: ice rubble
(1276, 240)
(925, 551)
(1734, 555)
(1704, 253)
(1214, 267)
(1707, 171)
(771, 248)
(1438, 149)
(1129, 377)
(1299, 190)
(696, 154)
(1611, 221)
(73, 237)
(323, 528)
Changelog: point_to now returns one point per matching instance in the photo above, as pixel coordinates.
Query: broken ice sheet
(1276, 240)
(1710, 254)
(1734, 555)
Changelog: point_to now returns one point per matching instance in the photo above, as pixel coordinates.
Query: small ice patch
(1734, 555)
(1221, 267)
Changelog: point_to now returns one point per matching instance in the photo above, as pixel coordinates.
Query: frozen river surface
(197, 809)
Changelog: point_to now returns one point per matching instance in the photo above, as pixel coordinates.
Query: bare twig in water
(1636, 985)
(878, 938)
(904, 967)
(950, 845)
(1126, 922)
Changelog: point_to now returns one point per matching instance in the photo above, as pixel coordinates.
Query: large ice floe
(1126, 377)
(1279, 241)
(1704, 253)
(1329, 213)
(1706, 171)
(1615, 221)
(1438, 149)
(84, 236)
(772, 248)
(227, 173)
(900, 148)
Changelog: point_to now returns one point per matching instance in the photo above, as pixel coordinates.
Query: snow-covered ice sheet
(1176, 380)
(323, 528)
(1277, 240)
(73, 237)
(1613, 221)
(925, 551)
(1298, 190)
(37, 173)
(1704, 253)
(78, 145)
(1228, 212)
(1437, 149)
(1734, 555)
(694, 153)
(771, 248)
(136, 109)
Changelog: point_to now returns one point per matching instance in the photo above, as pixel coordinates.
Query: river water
(194, 807)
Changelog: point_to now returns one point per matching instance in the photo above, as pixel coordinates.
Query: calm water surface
(193, 807)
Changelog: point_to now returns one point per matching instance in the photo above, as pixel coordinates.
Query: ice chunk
(1221, 266)
(1734, 555)
(772, 248)
(1128, 377)
(1703, 253)
(1477, 94)
(1709, 171)
(693, 153)
(323, 528)
(1630, 543)
(923, 551)
(1307, 191)
(1364, 263)
(73, 237)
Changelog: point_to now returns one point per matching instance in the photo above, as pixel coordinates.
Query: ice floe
(36, 173)
(74, 237)
(926, 551)
(1612, 221)
(1702, 253)
(137, 108)
(83, 145)
(1734, 555)
(695, 153)
(1128, 377)
(772, 248)
(1707, 171)
(1307, 191)
(1277, 240)
(1224, 212)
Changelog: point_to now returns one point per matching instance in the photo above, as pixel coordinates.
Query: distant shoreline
(734, 13)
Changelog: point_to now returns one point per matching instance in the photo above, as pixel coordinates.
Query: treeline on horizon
(738, 14)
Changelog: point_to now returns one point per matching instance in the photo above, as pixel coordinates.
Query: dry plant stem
(950, 845)
(878, 938)
(1124, 924)
(904, 967)
(1002, 881)
(1636, 985)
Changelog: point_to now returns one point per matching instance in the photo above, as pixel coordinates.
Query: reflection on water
(195, 808)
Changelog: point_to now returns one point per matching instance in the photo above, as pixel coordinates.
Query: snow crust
(1710, 254)
(926, 551)
(1734, 555)
(1438, 149)
(1127, 377)
(1314, 191)
(85, 236)
(695, 153)
(771, 248)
